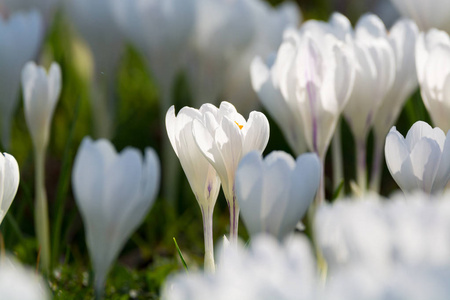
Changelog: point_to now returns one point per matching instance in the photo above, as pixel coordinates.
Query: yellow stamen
(240, 126)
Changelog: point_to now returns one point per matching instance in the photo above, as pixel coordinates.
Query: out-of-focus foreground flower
(9, 182)
(202, 176)
(375, 249)
(20, 283)
(421, 160)
(266, 270)
(113, 193)
(224, 137)
(275, 193)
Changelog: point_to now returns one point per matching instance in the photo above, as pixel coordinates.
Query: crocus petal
(256, 132)
(425, 158)
(10, 182)
(249, 181)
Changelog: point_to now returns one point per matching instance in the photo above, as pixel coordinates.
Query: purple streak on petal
(209, 189)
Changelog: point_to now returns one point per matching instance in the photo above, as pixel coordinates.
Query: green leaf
(338, 190)
(181, 255)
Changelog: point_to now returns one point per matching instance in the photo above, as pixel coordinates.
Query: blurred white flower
(402, 38)
(224, 137)
(350, 233)
(202, 176)
(20, 283)
(21, 35)
(95, 23)
(266, 79)
(161, 30)
(275, 193)
(426, 42)
(269, 24)
(47, 8)
(223, 30)
(9, 182)
(375, 73)
(113, 193)
(265, 270)
(40, 94)
(386, 248)
(421, 160)
(435, 84)
(427, 14)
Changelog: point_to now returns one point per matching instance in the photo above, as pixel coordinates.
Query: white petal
(443, 173)
(425, 158)
(10, 183)
(256, 132)
(420, 130)
(305, 181)
(249, 183)
(395, 151)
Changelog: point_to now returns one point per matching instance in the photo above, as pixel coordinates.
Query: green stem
(338, 170)
(361, 166)
(99, 287)
(41, 210)
(377, 165)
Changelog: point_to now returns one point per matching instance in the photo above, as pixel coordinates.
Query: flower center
(240, 126)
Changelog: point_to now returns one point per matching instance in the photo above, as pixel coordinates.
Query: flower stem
(377, 164)
(320, 196)
(234, 218)
(99, 286)
(207, 214)
(361, 166)
(338, 172)
(41, 210)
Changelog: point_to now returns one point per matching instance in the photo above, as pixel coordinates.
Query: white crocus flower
(435, 85)
(427, 14)
(274, 193)
(202, 176)
(21, 36)
(40, 93)
(266, 80)
(402, 38)
(375, 71)
(224, 137)
(421, 160)
(315, 83)
(9, 182)
(113, 193)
